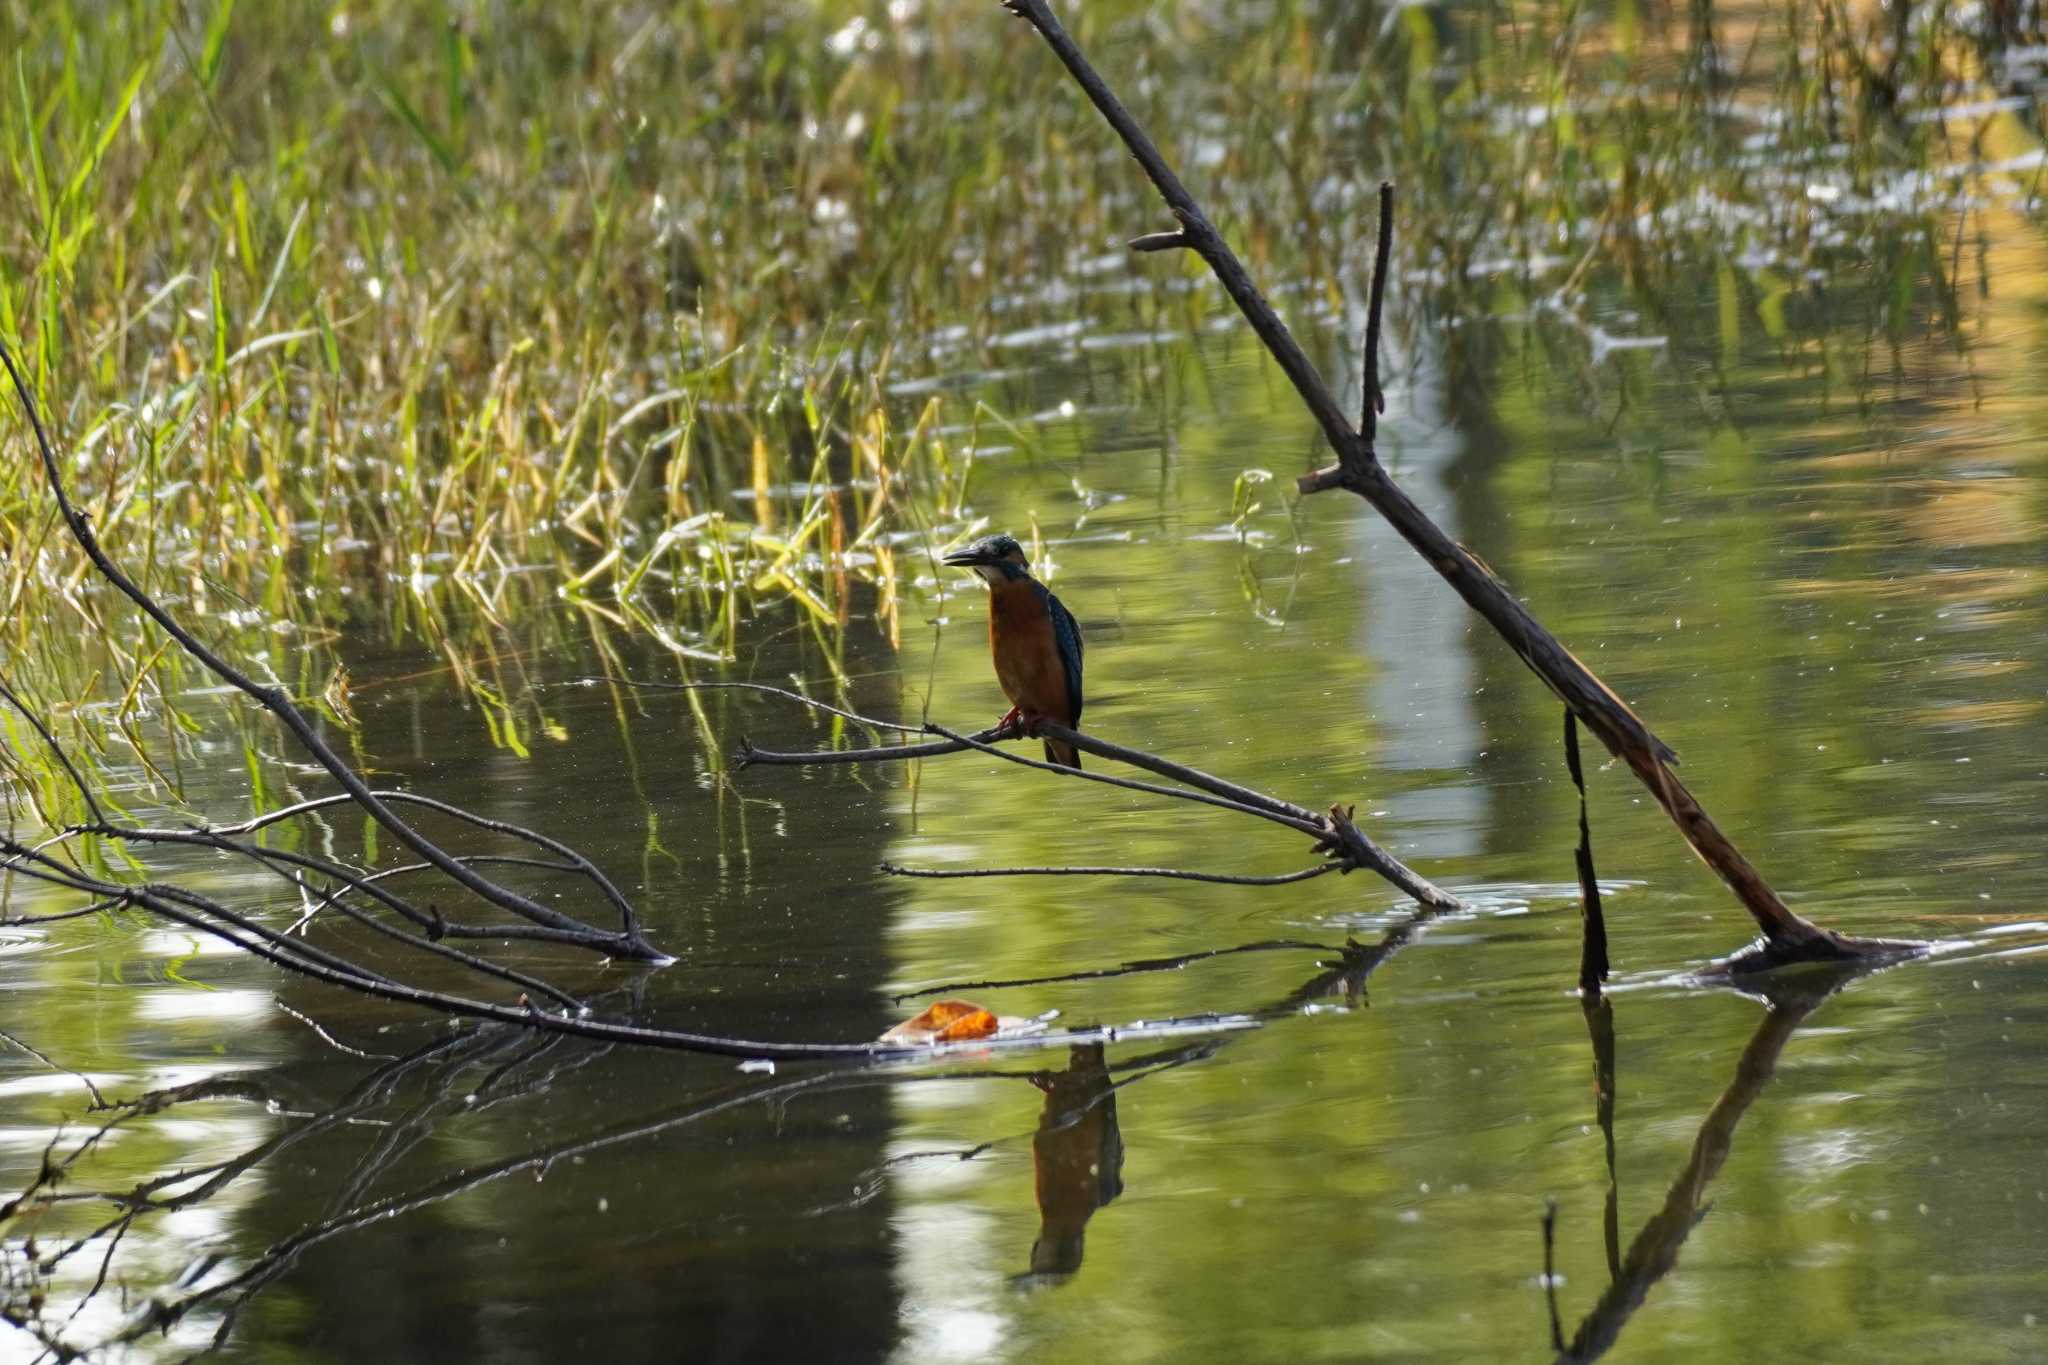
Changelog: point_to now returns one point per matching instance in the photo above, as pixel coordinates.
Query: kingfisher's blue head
(997, 559)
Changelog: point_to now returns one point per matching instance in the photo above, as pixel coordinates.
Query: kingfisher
(1034, 639)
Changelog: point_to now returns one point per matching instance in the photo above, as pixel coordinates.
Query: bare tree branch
(99, 1101)
(1358, 470)
(1335, 834)
(626, 942)
(196, 911)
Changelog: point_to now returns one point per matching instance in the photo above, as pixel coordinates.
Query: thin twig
(195, 911)
(770, 688)
(1179, 873)
(1231, 796)
(438, 926)
(99, 1101)
(578, 862)
(321, 1032)
(1238, 797)
(960, 743)
(1143, 965)
(97, 907)
(1335, 834)
(747, 755)
(36, 721)
(278, 861)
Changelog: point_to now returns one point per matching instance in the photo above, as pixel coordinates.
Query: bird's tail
(1062, 753)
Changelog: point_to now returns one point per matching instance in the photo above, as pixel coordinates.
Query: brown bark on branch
(1336, 836)
(1358, 470)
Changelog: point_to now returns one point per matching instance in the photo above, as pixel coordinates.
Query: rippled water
(1829, 600)
(1855, 695)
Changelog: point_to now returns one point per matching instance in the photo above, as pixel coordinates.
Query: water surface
(1815, 572)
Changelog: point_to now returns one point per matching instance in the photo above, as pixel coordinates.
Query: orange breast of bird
(1027, 655)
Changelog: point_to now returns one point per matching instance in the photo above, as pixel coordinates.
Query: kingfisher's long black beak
(969, 557)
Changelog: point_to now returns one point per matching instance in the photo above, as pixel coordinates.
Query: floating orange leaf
(948, 1021)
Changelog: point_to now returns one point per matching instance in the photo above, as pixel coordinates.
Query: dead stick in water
(1358, 470)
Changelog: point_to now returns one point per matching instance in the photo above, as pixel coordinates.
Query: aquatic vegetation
(360, 303)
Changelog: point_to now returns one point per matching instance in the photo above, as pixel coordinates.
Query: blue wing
(1066, 632)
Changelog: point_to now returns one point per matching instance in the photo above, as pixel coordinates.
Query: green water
(1796, 524)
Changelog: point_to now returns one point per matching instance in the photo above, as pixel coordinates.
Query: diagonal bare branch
(1358, 470)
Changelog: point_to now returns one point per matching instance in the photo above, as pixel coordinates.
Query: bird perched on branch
(1034, 639)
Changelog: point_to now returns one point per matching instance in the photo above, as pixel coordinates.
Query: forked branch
(1336, 835)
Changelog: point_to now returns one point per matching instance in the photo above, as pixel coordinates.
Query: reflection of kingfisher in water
(1077, 1157)
(1035, 640)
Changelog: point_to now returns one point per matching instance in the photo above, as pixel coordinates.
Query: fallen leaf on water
(948, 1021)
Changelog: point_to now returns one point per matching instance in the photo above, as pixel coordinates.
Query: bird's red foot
(1009, 720)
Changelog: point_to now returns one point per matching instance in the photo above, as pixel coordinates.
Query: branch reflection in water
(75, 1248)
(62, 1267)
(65, 1250)
(1790, 996)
